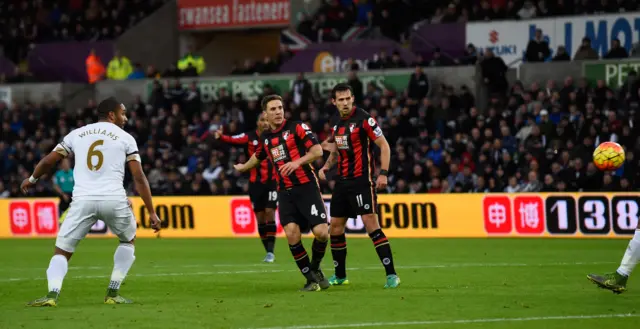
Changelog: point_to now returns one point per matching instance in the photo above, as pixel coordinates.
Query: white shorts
(117, 215)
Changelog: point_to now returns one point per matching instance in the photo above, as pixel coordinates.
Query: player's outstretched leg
(56, 272)
(123, 258)
(339, 252)
(617, 281)
(318, 249)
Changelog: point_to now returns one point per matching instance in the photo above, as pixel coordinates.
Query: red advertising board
(20, 218)
(243, 219)
(497, 214)
(45, 214)
(225, 14)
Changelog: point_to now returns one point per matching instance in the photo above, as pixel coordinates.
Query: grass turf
(220, 283)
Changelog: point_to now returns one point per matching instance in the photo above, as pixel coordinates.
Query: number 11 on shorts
(359, 200)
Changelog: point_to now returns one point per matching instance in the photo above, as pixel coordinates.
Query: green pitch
(216, 283)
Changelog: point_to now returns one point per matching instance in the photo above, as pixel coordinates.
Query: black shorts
(263, 196)
(302, 205)
(351, 198)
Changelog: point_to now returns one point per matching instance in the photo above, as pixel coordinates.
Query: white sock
(122, 260)
(55, 273)
(631, 256)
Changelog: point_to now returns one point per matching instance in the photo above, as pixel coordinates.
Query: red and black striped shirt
(288, 143)
(353, 136)
(264, 173)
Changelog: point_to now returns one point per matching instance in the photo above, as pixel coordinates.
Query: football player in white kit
(101, 151)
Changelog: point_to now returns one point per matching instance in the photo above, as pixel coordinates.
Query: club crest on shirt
(285, 135)
(351, 127)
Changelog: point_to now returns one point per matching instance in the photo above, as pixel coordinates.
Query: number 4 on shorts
(315, 212)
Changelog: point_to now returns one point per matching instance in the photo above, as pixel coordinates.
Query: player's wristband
(384, 172)
(32, 180)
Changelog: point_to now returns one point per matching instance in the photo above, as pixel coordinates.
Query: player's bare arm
(142, 186)
(385, 159)
(250, 164)
(315, 152)
(331, 161)
(44, 166)
(328, 144)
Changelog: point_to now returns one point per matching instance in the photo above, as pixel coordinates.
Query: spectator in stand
(396, 61)
(357, 87)
(152, 72)
(438, 59)
(494, 73)
(418, 85)
(528, 11)
(470, 55)
(585, 51)
(485, 13)
(537, 49)
(561, 55)
(302, 92)
(616, 51)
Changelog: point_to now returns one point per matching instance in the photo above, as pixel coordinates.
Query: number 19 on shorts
(592, 215)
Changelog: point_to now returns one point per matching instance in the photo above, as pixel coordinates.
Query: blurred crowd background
(535, 138)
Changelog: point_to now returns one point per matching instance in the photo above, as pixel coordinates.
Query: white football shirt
(101, 151)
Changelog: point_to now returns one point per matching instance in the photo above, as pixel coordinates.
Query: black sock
(317, 251)
(271, 231)
(339, 253)
(383, 249)
(302, 259)
(262, 231)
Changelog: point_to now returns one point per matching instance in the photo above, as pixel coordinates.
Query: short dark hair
(268, 99)
(108, 105)
(340, 87)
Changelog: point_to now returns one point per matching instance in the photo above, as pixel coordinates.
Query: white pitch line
(368, 268)
(465, 321)
(9, 269)
(204, 265)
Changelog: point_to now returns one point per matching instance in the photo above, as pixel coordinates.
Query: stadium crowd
(36, 21)
(540, 138)
(395, 17)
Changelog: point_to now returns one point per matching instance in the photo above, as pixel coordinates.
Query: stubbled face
(344, 102)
